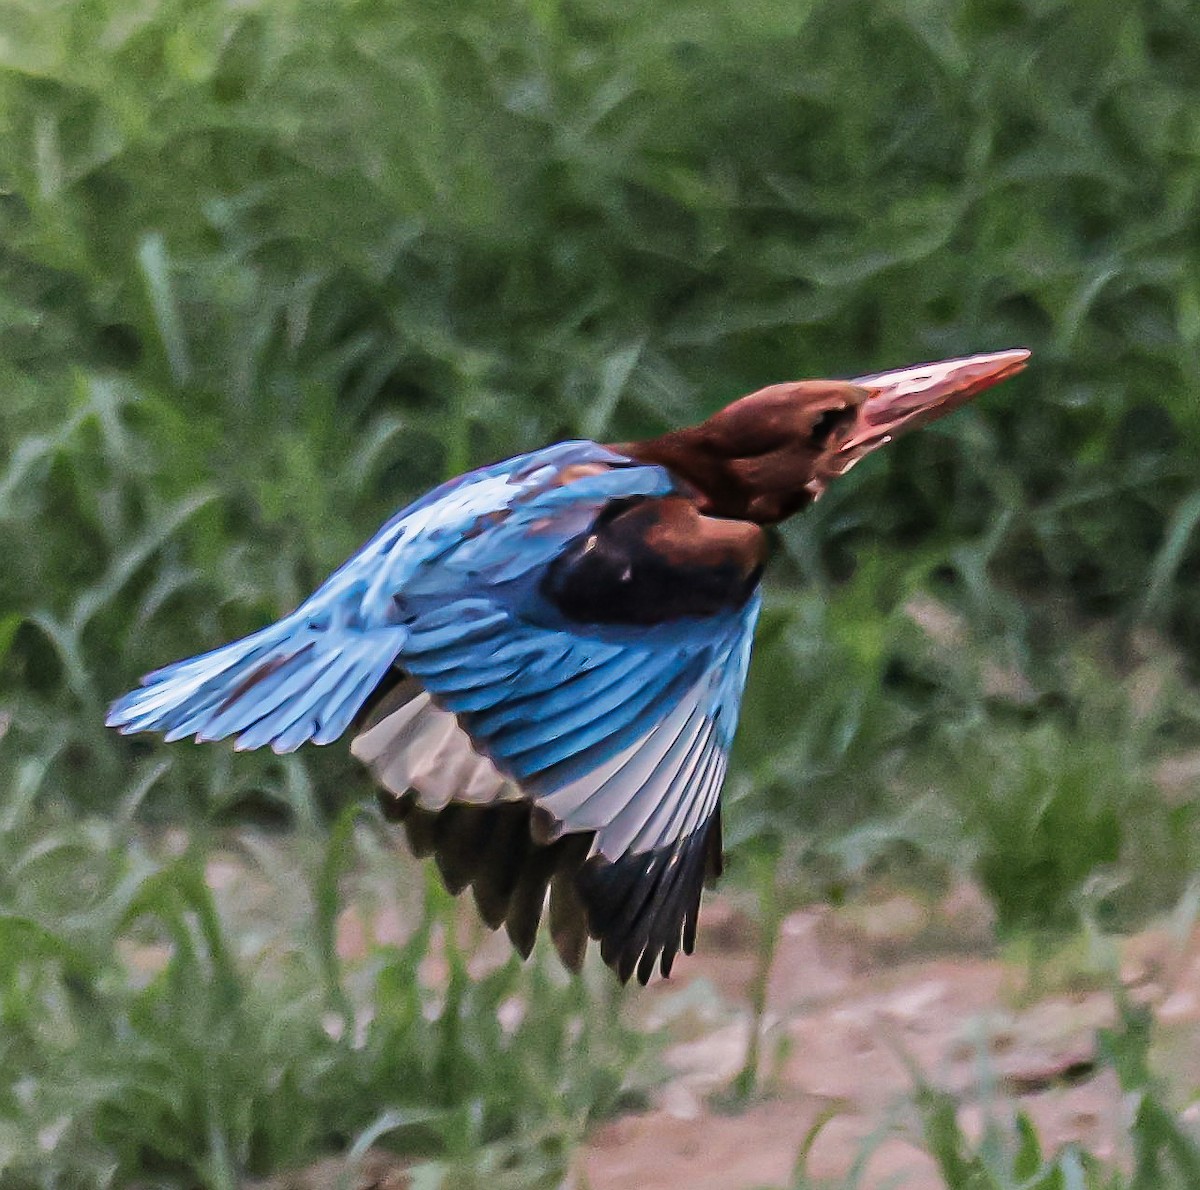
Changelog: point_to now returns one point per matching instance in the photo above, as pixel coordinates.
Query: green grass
(270, 269)
(1009, 1154)
(1158, 1151)
(151, 1034)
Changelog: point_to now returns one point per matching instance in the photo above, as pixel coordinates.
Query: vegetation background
(270, 268)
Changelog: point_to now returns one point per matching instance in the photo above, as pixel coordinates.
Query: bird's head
(772, 453)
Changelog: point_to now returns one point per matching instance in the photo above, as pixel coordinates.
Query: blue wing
(618, 731)
(306, 676)
(622, 736)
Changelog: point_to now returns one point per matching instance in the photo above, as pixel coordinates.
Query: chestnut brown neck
(764, 489)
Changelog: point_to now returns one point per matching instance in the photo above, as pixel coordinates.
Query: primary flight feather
(542, 660)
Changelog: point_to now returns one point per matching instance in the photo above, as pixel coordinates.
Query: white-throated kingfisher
(542, 660)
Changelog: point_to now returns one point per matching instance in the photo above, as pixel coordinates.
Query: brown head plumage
(768, 455)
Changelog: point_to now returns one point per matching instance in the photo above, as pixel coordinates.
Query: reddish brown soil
(851, 1021)
(861, 1002)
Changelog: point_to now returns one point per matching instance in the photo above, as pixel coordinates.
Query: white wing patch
(410, 743)
(660, 789)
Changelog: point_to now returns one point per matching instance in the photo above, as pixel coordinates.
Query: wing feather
(621, 743)
(584, 758)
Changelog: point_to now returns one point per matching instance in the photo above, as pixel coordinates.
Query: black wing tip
(491, 850)
(642, 908)
(521, 937)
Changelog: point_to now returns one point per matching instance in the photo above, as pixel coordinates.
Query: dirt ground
(854, 1014)
(861, 1002)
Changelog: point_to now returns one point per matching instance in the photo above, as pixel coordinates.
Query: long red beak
(902, 400)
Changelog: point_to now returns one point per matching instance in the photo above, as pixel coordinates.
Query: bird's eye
(828, 423)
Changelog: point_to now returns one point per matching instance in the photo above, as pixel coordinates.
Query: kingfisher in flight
(541, 661)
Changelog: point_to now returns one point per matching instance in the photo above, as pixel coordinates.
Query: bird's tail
(294, 681)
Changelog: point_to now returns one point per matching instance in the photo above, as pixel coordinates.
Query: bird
(540, 662)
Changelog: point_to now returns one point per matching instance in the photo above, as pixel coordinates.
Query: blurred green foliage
(146, 1038)
(270, 268)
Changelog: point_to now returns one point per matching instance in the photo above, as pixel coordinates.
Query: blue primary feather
(449, 590)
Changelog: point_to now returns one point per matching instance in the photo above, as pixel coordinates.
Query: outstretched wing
(599, 686)
(547, 664)
(306, 677)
